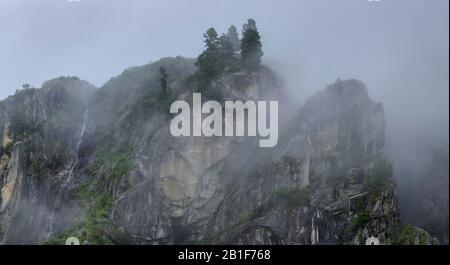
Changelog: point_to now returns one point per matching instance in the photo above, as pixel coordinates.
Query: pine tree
(211, 38)
(208, 66)
(233, 37)
(251, 24)
(251, 47)
(226, 54)
(163, 80)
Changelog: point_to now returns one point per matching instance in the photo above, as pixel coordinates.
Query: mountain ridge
(326, 182)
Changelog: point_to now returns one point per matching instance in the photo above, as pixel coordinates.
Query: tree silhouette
(251, 47)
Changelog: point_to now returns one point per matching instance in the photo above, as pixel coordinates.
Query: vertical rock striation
(117, 175)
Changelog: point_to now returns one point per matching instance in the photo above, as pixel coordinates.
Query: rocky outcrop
(312, 187)
(130, 181)
(35, 201)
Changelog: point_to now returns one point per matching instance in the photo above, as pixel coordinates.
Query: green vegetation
(95, 195)
(233, 37)
(251, 47)
(94, 229)
(138, 94)
(60, 82)
(19, 127)
(7, 148)
(61, 238)
(406, 234)
(208, 62)
(26, 91)
(220, 55)
(360, 221)
(379, 179)
(107, 168)
(38, 167)
(163, 81)
(227, 61)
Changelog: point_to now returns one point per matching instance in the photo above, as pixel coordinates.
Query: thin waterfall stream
(73, 166)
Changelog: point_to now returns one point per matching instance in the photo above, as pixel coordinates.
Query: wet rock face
(304, 191)
(179, 177)
(35, 202)
(29, 213)
(326, 182)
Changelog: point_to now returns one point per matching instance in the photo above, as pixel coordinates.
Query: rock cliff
(101, 165)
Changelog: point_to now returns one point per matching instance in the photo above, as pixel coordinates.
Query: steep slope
(129, 181)
(38, 160)
(306, 190)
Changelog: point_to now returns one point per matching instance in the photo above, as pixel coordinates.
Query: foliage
(108, 167)
(137, 90)
(227, 61)
(233, 37)
(6, 148)
(59, 82)
(60, 239)
(360, 221)
(163, 81)
(208, 65)
(251, 47)
(406, 234)
(19, 126)
(220, 58)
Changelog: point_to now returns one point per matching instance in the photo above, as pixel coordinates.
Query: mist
(398, 48)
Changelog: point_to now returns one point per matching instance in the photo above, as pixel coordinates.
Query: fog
(398, 48)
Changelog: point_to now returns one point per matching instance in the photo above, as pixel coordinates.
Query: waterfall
(72, 167)
(80, 135)
(50, 224)
(315, 228)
